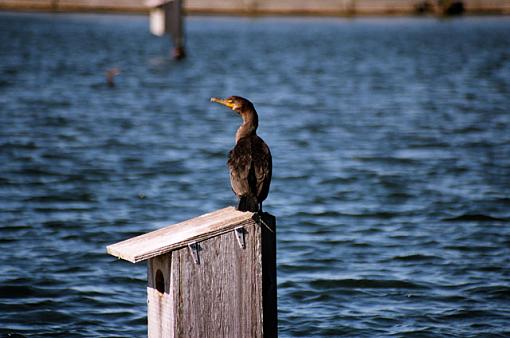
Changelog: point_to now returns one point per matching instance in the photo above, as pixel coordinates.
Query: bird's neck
(249, 125)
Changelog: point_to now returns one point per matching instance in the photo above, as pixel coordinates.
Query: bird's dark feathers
(250, 172)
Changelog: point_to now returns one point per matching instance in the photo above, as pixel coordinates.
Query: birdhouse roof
(178, 235)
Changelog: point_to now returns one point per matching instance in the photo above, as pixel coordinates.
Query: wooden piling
(211, 276)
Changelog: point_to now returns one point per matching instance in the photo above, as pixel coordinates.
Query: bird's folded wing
(239, 164)
(262, 163)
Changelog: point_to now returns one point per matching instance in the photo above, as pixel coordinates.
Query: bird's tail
(248, 203)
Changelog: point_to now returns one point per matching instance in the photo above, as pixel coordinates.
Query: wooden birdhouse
(210, 276)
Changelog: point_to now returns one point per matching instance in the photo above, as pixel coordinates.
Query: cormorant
(250, 161)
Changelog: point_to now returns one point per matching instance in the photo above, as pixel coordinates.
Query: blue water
(391, 147)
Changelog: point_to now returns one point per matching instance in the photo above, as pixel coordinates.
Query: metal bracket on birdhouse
(194, 248)
(240, 236)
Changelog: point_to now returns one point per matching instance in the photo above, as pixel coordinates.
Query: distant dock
(269, 7)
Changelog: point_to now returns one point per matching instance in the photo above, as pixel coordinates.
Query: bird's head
(236, 103)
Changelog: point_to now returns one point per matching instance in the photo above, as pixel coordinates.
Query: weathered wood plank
(222, 296)
(172, 237)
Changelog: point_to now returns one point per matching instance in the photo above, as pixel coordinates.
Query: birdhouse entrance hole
(160, 282)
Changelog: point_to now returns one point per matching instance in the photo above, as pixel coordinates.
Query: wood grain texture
(227, 294)
(220, 297)
(175, 236)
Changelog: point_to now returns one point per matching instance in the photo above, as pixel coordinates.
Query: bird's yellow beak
(225, 102)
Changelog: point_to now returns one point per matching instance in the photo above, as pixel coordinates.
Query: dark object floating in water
(179, 53)
(110, 76)
(250, 161)
(475, 217)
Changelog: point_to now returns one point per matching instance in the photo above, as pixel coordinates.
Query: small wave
(364, 283)
(415, 258)
(328, 213)
(25, 290)
(464, 314)
(471, 248)
(333, 213)
(49, 316)
(495, 291)
(36, 171)
(308, 295)
(47, 102)
(384, 159)
(10, 145)
(338, 180)
(63, 197)
(4, 83)
(62, 208)
(474, 218)
(15, 228)
(422, 332)
(297, 268)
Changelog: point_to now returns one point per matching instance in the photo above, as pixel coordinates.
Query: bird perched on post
(250, 161)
